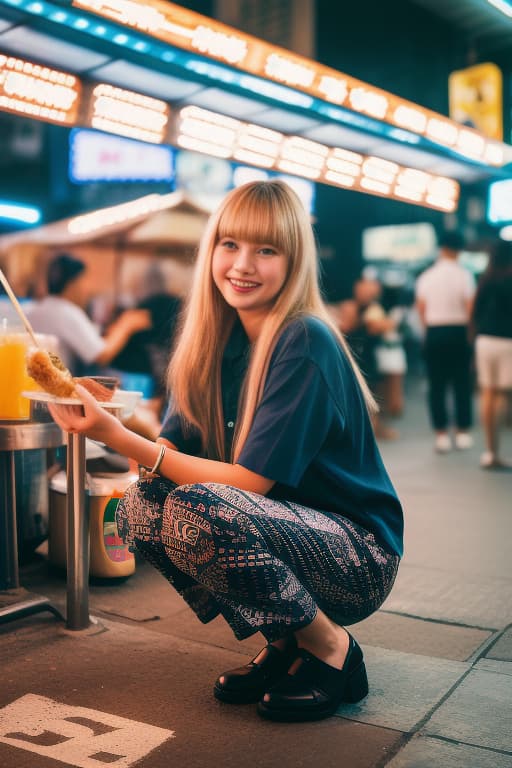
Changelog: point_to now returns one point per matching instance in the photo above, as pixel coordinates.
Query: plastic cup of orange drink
(14, 378)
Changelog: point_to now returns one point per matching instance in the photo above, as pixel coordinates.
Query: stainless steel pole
(9, 539)
(77, 536)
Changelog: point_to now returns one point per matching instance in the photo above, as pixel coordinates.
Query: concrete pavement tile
(145, 596)
(423, 752)
(502, 649)
(445, 596)
(166, 682)
(479, 712)
(186, 625)
(403, 633)
(491, 665)
(403, 687)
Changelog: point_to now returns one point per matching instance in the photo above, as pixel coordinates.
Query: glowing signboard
(127, 113)
(499, 208)
(38, 91)
(476, 98)
(203, 131)
(193, 32)
(96, 156)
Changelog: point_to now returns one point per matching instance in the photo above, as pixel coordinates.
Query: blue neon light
(23, 214)
(505, 6)
(275, 91)
(213, 71)
(499, 203)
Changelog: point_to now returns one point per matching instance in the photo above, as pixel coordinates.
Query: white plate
(45, 397)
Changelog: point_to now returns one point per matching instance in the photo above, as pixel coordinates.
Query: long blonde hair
(258, 212)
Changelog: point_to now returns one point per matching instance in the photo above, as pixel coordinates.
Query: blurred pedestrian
(390, 352)
(62, 313)
(373, 325)
(272, 506)
(444, 297)
(492, 327)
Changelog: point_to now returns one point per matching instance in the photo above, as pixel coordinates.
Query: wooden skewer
(17, 306)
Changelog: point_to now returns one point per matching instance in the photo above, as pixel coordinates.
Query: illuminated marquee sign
(38, 91)
(203, 131)
(193, 32)
(127, 113)
(98, 156)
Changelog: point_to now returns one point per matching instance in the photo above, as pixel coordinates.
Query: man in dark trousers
(444, 298)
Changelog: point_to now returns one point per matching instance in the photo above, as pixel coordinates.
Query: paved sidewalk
(136, 686)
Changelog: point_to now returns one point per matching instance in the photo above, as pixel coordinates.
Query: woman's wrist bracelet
(156, 466)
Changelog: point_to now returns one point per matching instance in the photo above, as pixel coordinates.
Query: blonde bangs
(255, 215)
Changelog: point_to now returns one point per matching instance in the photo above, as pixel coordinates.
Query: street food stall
(122, 245)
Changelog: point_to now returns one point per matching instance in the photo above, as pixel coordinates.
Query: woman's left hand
(87, 417)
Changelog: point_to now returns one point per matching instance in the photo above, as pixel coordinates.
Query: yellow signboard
(476, 98)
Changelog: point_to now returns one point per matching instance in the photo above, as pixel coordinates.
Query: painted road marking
(78, 736)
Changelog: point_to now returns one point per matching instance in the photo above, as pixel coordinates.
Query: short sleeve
(81, 335)
(420, 288)
(291, 422)
(172, 430)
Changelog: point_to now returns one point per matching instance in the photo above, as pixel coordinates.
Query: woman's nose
(244, 261)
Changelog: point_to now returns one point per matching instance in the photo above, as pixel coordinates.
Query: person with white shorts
(492, 324)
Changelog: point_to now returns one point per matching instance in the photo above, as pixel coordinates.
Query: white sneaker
(443, 444)
(488, 460)
(463, 441)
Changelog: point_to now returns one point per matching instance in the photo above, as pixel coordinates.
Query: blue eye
(267, 251)
(228, 244)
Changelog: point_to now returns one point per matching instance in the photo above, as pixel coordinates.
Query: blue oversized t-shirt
(311, 432)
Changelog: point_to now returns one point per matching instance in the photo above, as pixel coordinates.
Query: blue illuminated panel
(96, 156)
(499, 205)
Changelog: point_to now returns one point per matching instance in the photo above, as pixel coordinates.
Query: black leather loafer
(315, 690)
(247, 684)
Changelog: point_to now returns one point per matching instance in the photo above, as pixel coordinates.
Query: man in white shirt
(61, 313)
(444, 297)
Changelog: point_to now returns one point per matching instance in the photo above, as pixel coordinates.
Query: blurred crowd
(447, 326)
(453, 329)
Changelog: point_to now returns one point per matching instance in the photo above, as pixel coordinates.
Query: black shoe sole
(236, 697)
(356, 689)
(300, 715)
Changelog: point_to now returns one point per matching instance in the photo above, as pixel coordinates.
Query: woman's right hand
(88, 418)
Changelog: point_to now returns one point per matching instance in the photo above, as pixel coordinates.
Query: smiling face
(249, 276)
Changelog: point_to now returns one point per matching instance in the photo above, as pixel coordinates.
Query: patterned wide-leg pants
(265, 565)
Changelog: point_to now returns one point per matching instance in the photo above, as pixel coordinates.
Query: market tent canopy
(154, 221)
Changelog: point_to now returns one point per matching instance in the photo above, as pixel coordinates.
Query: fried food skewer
(48, 370)
(54, 379)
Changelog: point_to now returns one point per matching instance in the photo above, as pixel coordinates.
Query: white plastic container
(108, 555)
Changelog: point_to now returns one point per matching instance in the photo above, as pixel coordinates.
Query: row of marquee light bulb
(204, 131)
(48, 94)
(190, 31)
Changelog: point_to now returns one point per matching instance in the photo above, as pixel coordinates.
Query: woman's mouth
(242, 286)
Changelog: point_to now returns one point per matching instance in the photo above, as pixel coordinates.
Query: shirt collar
(238, 342)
